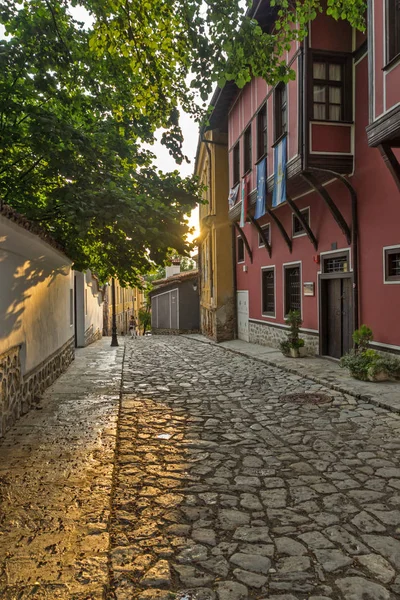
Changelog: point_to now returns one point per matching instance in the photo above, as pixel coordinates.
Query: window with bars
(297, 227)
(292, 289)
(336, 264)
(240, 250)
(280, 110)
(393, 28)
(262, 131)
(268, 292)
(267, 232)
(236, 164)
(392, 264)
(247, 150)
(328, 89)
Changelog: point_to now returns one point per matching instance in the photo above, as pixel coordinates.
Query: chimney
(174, 268)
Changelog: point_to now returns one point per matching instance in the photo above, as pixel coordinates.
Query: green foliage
(294, 340)
(362, 337)
(144, 318)
(365, 363)
(71, 128)
(77, 103)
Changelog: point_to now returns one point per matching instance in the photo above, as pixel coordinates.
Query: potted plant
(294, 344)
(367, 364)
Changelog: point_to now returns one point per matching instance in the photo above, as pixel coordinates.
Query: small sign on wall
(308, 288)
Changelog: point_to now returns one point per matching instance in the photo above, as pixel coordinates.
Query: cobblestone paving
(224, 491)
(55, 485)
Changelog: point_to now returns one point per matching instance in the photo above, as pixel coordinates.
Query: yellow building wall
(215, 248)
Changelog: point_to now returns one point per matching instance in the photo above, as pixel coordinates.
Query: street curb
(315, 378)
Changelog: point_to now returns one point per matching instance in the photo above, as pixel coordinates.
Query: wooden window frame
(386, 253)
(303, 232)
(333, 58)
(262, 141)
(236, 163)
(240, 244)
(392, 30)
(260, 241)
(280, 107)
(286, 268)
(247, 151)
(268, 313)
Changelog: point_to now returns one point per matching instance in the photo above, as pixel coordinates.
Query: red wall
(378, 201)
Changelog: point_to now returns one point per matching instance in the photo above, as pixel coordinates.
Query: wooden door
(337, 316)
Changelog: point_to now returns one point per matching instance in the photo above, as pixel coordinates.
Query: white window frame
(302, 210)
(266, 226)
(292, 264)
(268, 268)
(385, 281)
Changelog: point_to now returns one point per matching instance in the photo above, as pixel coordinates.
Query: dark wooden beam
(337, 215)
(244, 238)
(280, 227)
(303, 221)
(262, 234)
(391, 162)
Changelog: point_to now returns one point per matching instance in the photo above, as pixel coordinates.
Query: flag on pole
(279, 193)
(261, 188)
(233, 194)
(243, 210)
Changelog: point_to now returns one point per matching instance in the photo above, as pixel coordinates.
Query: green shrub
(294, 321)
(364, 363)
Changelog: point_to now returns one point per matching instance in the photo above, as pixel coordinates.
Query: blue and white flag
(233, 194)
(261, 188)
(279, 194)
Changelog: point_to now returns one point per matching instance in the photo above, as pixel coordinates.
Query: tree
(77, 103)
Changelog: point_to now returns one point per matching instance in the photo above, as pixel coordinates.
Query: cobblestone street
(223, 488)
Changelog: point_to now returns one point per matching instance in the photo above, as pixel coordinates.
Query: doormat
(307, 398)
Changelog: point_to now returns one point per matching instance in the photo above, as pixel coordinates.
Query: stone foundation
(155, 331)
(268, 335)
(218, 324)
(17, 392)
(92, 336)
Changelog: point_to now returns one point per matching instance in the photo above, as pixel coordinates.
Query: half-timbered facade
(328, 241)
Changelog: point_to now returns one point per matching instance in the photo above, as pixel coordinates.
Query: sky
(164, 160)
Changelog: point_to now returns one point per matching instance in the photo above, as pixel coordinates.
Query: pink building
(331, 248)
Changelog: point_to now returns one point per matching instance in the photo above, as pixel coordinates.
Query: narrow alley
(231, 480)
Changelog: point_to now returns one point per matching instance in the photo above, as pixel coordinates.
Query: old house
(175, 303)
(216, 275)
(46, 309)
(315, 162)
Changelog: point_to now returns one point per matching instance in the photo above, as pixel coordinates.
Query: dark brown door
(337, 315)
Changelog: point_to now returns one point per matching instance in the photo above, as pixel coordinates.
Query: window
(236, 164)
(392, 264)
(280, 111)
(328, 91)
(297, 227)
(292, 289)
(393, 28)
(336, 264)
(248, 162)
(262, 131)
(268, 291)
(240, 250)
(267, 233)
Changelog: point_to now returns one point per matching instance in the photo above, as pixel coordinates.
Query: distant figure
(132, 326)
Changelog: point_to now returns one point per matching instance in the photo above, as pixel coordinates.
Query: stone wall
(17, 392)
(218, 324)
(92, 335)
(268, 335)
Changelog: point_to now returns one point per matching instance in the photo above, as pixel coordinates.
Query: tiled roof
(178, 278)
(12, 215)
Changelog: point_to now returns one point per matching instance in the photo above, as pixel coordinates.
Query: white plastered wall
(89, 305)
(35, 284)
